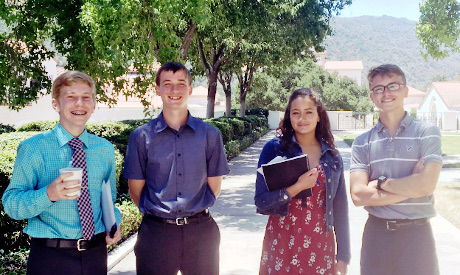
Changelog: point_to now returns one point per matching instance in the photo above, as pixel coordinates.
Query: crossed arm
(422, 182)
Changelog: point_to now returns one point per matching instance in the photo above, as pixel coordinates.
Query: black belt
(399, 224)
(197, 218)
(80, 245)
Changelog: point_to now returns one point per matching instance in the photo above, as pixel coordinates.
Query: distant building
(414, 98)
(125, 108)
(350, 69)
(441, 105)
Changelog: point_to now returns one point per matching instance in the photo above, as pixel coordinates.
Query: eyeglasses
(391, 87)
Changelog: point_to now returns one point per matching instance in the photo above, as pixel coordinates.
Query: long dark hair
(323, 129)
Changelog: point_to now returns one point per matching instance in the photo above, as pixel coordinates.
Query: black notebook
(285, 173)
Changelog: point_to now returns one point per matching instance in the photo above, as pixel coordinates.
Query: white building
(350, 69)
(414, 98)
(441, 105)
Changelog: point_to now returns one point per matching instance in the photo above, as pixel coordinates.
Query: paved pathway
(242, 230)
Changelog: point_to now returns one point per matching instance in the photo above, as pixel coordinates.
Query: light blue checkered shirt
(37, 165)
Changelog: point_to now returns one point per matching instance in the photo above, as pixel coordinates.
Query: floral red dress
(298, 243)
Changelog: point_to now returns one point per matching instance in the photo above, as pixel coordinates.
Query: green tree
(259, 34)
(272, 90)
(438, 28)
(107, 39)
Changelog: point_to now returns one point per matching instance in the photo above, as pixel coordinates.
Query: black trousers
(167, 248)
(47, 260)
(406, 251)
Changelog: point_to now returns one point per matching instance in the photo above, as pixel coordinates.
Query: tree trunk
(242, 107)
(212, 88)
(212, 71)
(228, 105)
(245, 80)
(187, 40)
(225, 80)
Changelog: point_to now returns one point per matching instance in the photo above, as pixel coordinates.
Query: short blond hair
(70, 77)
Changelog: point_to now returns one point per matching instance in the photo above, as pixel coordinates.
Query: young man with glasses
(394, 170)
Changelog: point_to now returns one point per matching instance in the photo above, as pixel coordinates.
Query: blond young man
(68, 235)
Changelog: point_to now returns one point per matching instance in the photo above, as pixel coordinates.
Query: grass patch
(348, 138)
(447, 196)
(449, 145)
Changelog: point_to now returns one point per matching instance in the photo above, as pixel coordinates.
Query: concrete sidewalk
(242, 230)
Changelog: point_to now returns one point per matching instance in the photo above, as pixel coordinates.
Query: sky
(397, 8)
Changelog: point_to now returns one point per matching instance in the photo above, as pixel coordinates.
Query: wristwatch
(380, 181)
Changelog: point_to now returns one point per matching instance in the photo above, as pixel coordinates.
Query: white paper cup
(77, 175)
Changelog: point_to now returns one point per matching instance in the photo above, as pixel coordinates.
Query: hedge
(237, 134)
(6, 128)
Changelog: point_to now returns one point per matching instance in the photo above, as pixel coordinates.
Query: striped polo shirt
(379, 154)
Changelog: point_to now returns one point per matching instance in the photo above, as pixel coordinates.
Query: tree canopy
(438, 28)
(107, 39)
(272, 89)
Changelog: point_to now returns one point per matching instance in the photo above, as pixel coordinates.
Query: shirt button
(330, 197)
(329, 180)
(179, 211)
(178, 155)
(325, 164)
(285, 197)
(180, 194)
(180, 174)
(178, 136)
(330, 213)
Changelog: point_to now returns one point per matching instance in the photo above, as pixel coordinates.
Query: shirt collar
(407, 120)
(64, 136)
(161, 125)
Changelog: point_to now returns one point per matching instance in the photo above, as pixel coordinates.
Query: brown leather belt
(80, 245)
(197, 218)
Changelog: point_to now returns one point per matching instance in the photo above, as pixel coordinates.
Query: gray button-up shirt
(379, 154)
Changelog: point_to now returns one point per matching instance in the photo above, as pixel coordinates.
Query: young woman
(299, 237)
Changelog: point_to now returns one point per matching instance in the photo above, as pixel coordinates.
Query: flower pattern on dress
(298, 243)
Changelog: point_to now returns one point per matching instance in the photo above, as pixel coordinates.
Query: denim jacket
(276, 202)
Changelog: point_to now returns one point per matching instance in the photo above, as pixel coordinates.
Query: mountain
(386, 39)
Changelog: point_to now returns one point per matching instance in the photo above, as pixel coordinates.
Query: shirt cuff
(285, 195)
(42, 198)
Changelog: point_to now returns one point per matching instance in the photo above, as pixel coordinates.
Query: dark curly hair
(323, 129)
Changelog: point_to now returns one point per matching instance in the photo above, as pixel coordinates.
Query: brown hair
(385, 69)
(174, 67)
(323, 129)
(70, 77)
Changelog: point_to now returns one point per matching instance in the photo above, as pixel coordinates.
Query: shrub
(106, 129)
(224, 128)
(256, 111)
(6, 128)
(14, 262)
(236, 124)
(42, 125)
(131, 218)
(232, 149)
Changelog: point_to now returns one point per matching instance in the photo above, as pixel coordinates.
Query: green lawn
(447, 197)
